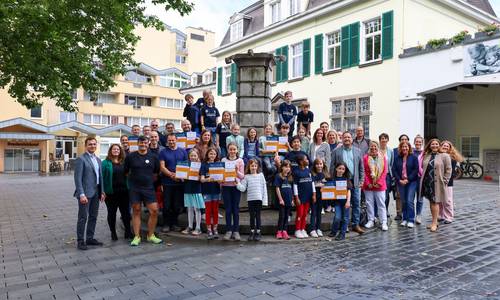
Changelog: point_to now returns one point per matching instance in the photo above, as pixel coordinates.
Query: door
(22, 160)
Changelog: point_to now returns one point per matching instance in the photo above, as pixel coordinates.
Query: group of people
(142, 169)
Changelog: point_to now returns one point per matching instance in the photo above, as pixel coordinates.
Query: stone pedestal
(253, 92)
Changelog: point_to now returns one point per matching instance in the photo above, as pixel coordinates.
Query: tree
(48, 48)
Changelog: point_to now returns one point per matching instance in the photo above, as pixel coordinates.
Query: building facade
(343, 56)
(33, 140)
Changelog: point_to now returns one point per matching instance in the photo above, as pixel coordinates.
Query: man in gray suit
(353, 159)
(88, 191)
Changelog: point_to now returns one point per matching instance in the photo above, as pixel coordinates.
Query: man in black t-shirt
(142, 168)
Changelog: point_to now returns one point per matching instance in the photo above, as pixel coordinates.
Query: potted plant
(435, 43)
(460, 37)
(488, 30)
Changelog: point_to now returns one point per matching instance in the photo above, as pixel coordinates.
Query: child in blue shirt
(304, 194)
(193, 200)
(287, 112)
(284, 192)
(210, 190)
(192, 113)
(251, 146)
(342, 210)
(209, 116)
(319, 176)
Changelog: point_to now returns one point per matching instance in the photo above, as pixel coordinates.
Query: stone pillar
(253, 89)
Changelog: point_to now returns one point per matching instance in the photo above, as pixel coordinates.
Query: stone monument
(253, 89)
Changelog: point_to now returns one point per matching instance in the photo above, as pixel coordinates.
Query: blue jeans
(407, 194)
(231, 197)
(420, 200)
(341, 218)
(355, 206)
(316, 211)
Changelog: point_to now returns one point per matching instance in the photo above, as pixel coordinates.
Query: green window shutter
(318, 54)
(387, 34)
(306, 58)
(354, 44)
(233, 77)
(284, 66)
(219, 81)
(345, 58)
(278, 66)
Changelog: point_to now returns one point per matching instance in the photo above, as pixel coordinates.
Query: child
(231, 195)
(287, 113)
(193, 200)
(267, 163)
(251, 146)
(319, 176)
(304, 140)
(304, 118)
(293, 155)
(211, 194)
(237, 139)
(304, 193)
(223, 130)
(283, 183)
(192, 113)
(342, 210)
(255, 185)
(209, 116)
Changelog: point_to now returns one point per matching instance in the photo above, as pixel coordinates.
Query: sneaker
(340, 237)
(236, 236)
(257, 236)
(319, 232)
(404, 223)
(210, 235)
(329, 208)
(186, 231)
(250, 236)
(165, 229)
(322, 211)
(410, 225)
(369, 224)
(313, 234)
(216, 234)
(136, 241)
(298, 234)
(447, 222)
(418, 220)
(285, 235)
(153, 239)
(398, 218)
(228, 235)
(196, 232)
(279, 235)
(304, 233)
(385, 227)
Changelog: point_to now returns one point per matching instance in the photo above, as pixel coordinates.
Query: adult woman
(331, 139)
(205, 142)
(446, 208)
(418, 142)
(436, 175)
(405, 172)
(319, 148)
(374, 185)
(115, 187)
(383, 139)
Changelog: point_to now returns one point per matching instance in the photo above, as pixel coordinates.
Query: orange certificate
(230, 171)
(181, 170)
(190, 139)
(341, 189)
(328, 191)
(181, 140)
(283, 144)
(194, 171)
(216, 171)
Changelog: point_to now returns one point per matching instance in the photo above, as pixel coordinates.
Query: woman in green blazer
(115, 187)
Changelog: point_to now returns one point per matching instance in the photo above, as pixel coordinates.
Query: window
(87, 118)
(137, 101)
(138, 77)
(294, 7)
(66, 116)
(99, 119)
(349, 113)
(236, 30)
(275, 12)
(470, 147)
(36, 112)
(171, 103)
(180, 43)
(333, 51)
(173, 80)
(74, 95)
(372, 40)
(227, 79)
(296, 60)
(99, 97)
(207, 78)
(197, 37)
(180, 59)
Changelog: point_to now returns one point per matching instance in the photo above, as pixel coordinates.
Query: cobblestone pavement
(38, 258)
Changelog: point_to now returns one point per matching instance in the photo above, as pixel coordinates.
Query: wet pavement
(38, 258)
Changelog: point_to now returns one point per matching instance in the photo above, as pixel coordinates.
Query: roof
(256, 13)
(153, 71)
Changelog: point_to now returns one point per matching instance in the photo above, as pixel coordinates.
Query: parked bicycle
(469, 169)
(55, 167)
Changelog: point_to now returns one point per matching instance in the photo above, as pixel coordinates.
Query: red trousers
(301, 216)
(212, 212)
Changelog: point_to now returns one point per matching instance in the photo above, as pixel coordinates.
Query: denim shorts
(142, 195)
(211, 197)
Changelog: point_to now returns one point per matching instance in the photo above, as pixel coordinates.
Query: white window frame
(294, 7)
(296, 57)
(171, 103)
(365, 36)
(180, 43)
(168, 80)
(237, 30)
(41, 114)
(180, 59)
(207, 78)
(328, 47)
(226, 79)
(66, 116)
(472, 158)
(275, 9)
(357, 114)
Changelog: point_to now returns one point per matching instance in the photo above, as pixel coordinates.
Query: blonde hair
(454, 154)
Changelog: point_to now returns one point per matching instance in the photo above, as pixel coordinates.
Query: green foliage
(48, 48)
(436, 43)
(490, 29)
(459, 37)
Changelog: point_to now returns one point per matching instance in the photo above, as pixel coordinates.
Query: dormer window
(237, 30)
(275, 12)
(294, 7)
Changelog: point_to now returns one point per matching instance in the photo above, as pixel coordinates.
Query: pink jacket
(240, 171)
(368, 179)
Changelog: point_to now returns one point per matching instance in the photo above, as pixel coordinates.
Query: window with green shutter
(345, 48)
(318, 54)
(387, 34)
(354, 44)
(278, 65)
(219, 81)
(284, 65)
(233, 77)
(306, 67)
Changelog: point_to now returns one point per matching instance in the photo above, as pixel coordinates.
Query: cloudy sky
(214, 14)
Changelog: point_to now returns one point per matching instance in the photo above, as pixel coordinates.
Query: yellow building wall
(199, 58)
(477, 114)
(155, 47)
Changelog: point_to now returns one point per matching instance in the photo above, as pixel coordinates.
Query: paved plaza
(38, 258)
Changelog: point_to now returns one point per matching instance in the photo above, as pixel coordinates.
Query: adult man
(136, 130)
(154, 145)
(132, 139)
(202, 101)
(287, 112)
(169, 128)
(173, 191)
(155, 127)
(362, 143)
(124, 143)
(353, 159)
(146, 130)
(88, 191)
(185, 125)
(142, 168)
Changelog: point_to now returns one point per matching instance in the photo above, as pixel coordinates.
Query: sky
(214, 14)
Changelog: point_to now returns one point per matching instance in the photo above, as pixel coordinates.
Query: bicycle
(55, 167)
(469, 169)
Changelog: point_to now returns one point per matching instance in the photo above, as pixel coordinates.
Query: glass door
(22, 160)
